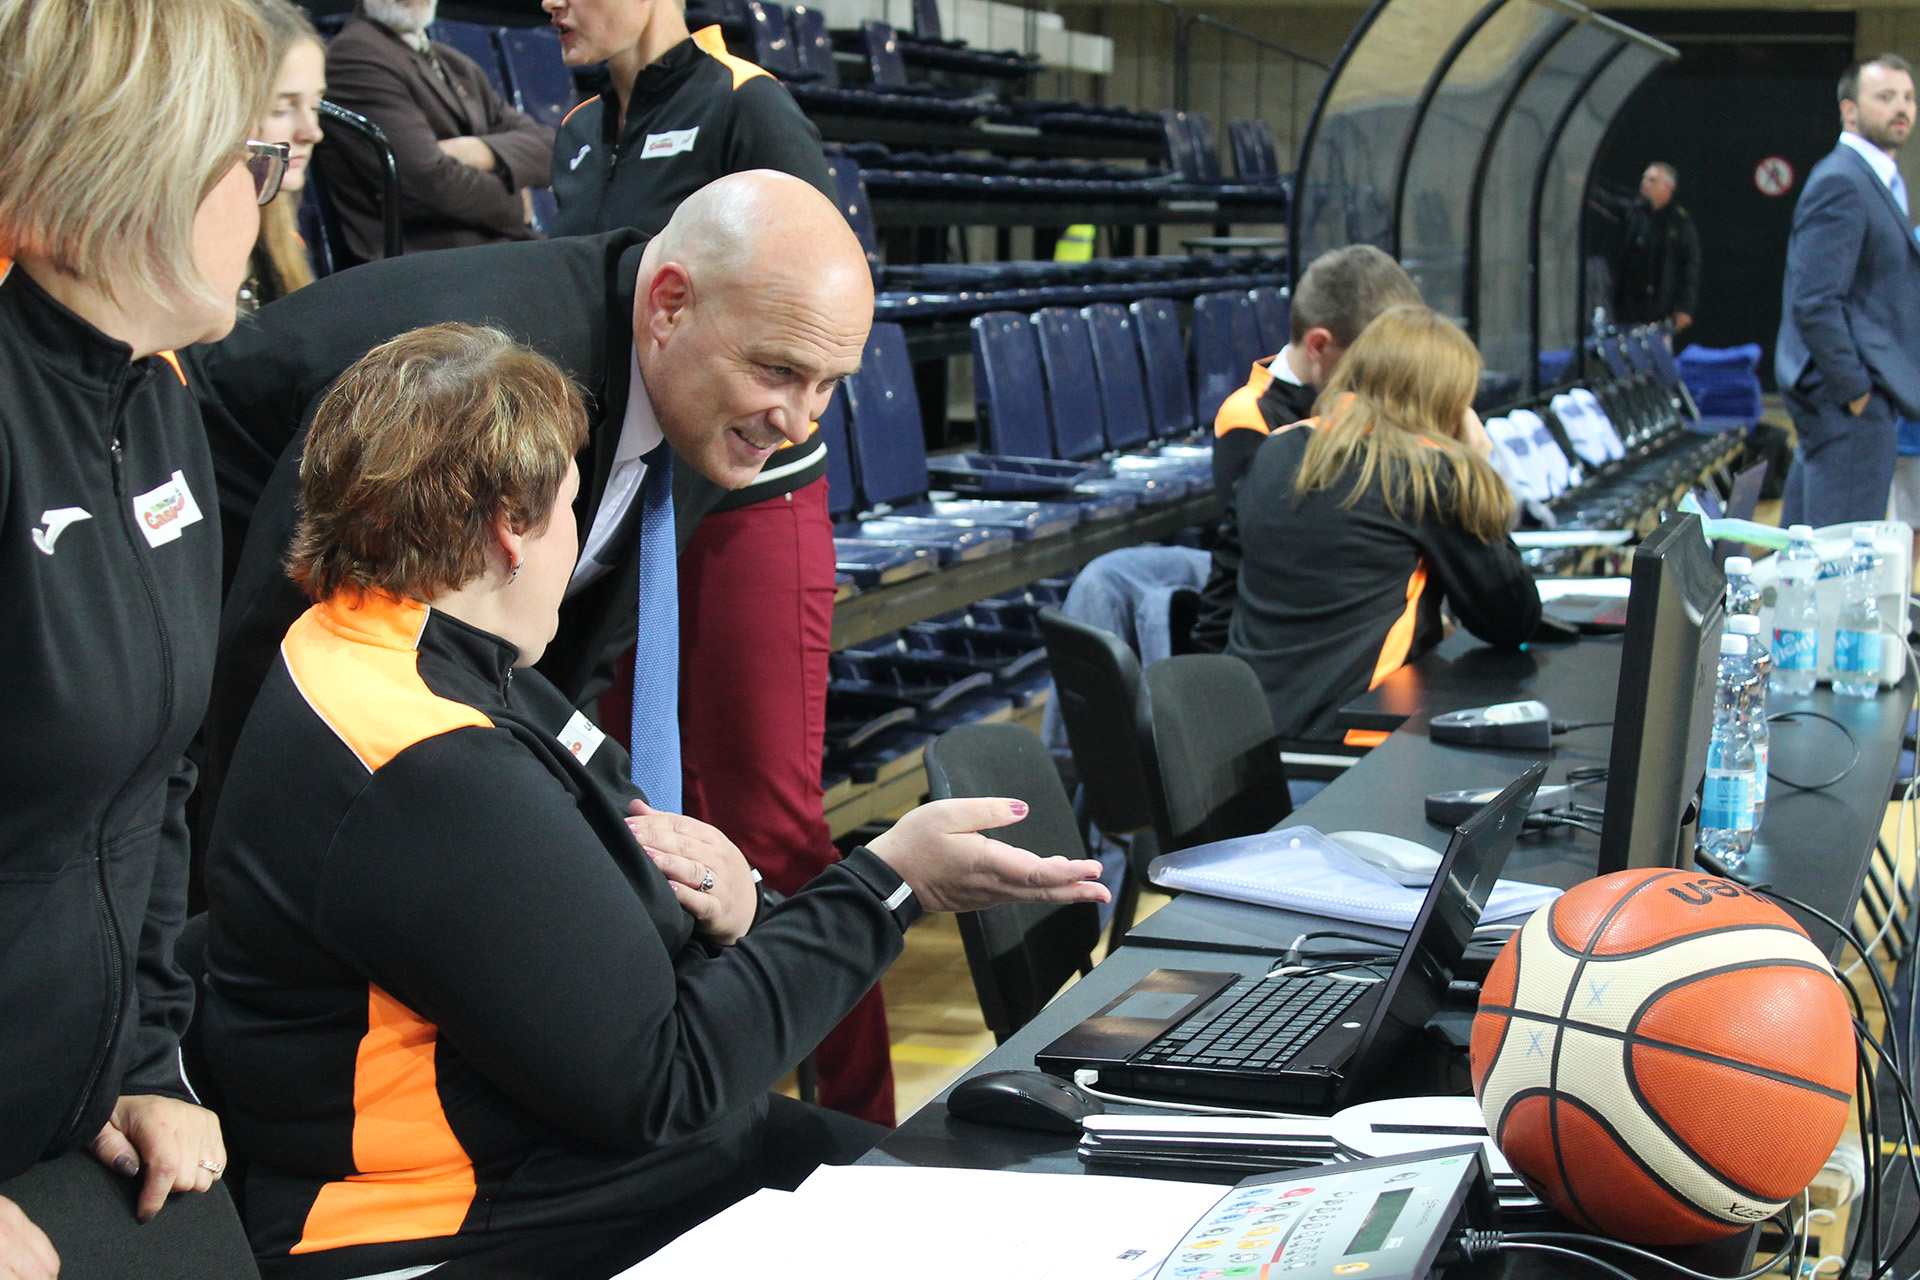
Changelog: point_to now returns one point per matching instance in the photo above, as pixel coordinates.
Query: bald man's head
(753, 303)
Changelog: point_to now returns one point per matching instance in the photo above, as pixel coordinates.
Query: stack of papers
(1298, 869)
(942, 1224)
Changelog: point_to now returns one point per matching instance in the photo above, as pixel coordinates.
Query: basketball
(1664, 1056)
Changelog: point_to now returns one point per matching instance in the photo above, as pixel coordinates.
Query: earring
(513, 573)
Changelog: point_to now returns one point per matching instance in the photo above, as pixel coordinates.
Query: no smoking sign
(1774, 176)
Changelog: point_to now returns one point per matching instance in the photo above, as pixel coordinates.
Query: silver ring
(215, 1169)
(706, 881)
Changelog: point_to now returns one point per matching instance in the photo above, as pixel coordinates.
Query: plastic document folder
(1299, 869)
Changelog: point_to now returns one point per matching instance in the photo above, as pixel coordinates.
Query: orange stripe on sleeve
(1399, 641)
(415, 1180)
(1365, 737)
(576, 110)
(715, 43)
(357, 669)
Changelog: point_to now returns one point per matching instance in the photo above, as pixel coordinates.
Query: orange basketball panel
(1490, 1028)
(1684, 905)
(1784, 1018)
(1618, 1195)
(1578, 913)
(1751, 1131)
(1526, 1139)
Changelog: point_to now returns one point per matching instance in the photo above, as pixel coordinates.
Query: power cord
(1569, 726)
(1472, 1245)
(1086, 1079)
(1853, 746)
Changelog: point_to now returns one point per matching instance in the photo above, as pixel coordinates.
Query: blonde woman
(1358, 524)
(280, 263)
(126, 240)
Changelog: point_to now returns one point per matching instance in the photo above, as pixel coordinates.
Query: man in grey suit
(1848, 359)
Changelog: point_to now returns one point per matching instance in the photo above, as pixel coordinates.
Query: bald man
(724, 336)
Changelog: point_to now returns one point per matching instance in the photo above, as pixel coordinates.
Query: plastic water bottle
(1856, 640)
(1796, 616)
(1742, 595)
(1758, 732)
(1726, 797)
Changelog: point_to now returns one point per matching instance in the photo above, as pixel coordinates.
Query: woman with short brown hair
(473, 1004)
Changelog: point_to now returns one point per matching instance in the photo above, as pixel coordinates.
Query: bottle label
(1726, 801)
(1795, 650)
(1857, 651)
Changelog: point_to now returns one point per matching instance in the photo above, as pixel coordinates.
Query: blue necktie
(656, 650)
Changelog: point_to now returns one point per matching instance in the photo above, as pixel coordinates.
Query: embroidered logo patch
(575, 162)
(163, 513)
(670, 143)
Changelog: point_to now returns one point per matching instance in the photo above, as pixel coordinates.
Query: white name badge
(164, 512)
(582, 737)
(670, 143)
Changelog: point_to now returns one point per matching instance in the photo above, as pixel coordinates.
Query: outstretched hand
(939, 851)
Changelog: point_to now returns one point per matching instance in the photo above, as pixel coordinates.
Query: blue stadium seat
(884, 63)
(813, 46)
(1123, 387)
(868, 564)
(1226, 342)
(545, 209)
(1163, 354)
(1073, 386)
(1273, 314)
(477, 43)
(772, 42)
(1100, 340)
(541, 84)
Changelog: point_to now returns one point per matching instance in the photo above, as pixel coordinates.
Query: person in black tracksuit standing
(677, 111)
(110, 586)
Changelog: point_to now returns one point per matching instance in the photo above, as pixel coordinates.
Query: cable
(1569, 726)
(1293, 951)
(1086, 1077)
(1853, 745)
(1587, 1258)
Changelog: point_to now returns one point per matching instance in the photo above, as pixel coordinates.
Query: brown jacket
(443, 203)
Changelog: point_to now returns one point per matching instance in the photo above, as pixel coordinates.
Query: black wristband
(885, 883)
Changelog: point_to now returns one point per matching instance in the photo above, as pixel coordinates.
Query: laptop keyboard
(1260, 1029)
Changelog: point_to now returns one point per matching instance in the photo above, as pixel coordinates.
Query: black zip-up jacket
(449, 997)
(110, 586)
(697, 113)
(1333, 598)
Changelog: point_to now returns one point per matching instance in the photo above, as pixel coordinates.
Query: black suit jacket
(1850, 306)
(571, 300)
(444, 204)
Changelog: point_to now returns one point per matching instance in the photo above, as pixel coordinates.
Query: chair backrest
(883, 419)
(1206, 151)
(1073, 388)
(1273, 315)
(813, 45)
(843, 493)
(542, 86)
(477, 43)
(772, 42)
(1123, 386)
(1255, 158)
(320, 227)
(926, 19)
(1224, 332)
(1096, 677)
(1019, 953)
(851, 196)
(1615, 357)
(1220, 767)
(1009, 391)
(1163, 356)
(883, 54)
(1634, 345)
(1179, 139)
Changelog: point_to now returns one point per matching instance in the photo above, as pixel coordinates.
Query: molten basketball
(1664, 1056)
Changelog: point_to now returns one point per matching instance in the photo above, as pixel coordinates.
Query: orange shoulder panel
(415, 1180)
(357, 669)
(711, 39)
(174, 360)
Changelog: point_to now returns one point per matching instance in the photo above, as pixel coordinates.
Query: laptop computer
(1296, 1040)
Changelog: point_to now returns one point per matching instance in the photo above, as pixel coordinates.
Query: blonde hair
(419, 448)
(279, 223)
(117, 117)
(1393, 413)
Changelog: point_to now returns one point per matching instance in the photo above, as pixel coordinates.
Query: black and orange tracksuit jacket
(696, 113)
(450, 999)
(110, 590)
(1334, 598)
(1239, 429)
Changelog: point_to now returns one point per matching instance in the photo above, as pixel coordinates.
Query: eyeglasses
(267, 162)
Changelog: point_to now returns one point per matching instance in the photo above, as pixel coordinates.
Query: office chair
(1020, 953)
(1220, 766)
(1096, 678)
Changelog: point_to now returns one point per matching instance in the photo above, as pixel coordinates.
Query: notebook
(1299, 869)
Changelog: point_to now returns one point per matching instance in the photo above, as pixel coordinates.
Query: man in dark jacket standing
(466, 158)
(1850, 307)
(1659, 273)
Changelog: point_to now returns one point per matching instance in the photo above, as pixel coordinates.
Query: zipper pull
(116, 451)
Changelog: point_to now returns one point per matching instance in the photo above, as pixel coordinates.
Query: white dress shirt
(1282, 367)
(639, 435)
(1884, 166)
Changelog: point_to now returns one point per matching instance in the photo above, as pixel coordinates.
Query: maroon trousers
(756, 622)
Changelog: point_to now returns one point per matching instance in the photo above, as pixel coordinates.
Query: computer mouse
(1408, 861)
(1025, 1100)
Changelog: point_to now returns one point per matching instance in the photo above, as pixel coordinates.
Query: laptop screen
(1474, 860)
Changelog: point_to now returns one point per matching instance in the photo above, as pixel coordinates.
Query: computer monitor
(1663, 713)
